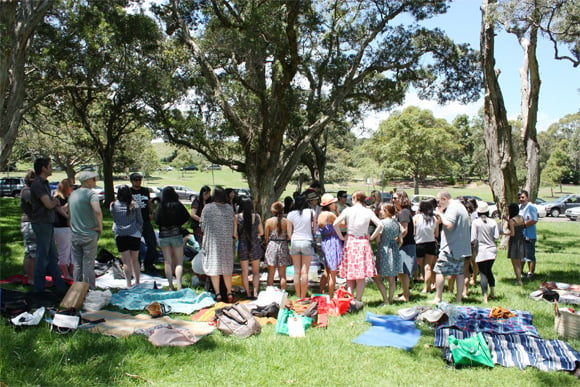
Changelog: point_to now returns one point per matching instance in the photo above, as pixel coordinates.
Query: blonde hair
(63, 188)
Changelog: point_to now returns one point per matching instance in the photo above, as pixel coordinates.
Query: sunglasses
(395, 198)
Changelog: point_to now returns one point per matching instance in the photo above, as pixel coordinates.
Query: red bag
(341, 302)
(323, 302)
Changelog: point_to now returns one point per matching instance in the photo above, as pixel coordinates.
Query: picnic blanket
(181, 301)
(108, 281)
(389, 331)
(474, 319)
(121, 325)
(517, 350)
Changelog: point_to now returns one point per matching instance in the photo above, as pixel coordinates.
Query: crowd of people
(368, 239)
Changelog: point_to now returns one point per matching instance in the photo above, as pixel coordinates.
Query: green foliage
(559, 168)
(415, 143)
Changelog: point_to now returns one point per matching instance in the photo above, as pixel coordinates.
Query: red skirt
(358, 261)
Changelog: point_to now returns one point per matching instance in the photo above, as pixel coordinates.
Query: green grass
(36, 356)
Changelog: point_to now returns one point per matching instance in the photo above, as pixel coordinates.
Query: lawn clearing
(36, 356)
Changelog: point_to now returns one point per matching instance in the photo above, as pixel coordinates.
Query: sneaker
(530, 275)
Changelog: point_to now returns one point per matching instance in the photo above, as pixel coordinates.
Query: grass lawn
(36, 356)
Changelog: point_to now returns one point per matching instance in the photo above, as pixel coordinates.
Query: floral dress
(277, 253)
(245, 251)
(331, 247)
(389, 262)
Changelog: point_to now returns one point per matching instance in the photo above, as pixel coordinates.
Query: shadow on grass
(556, 242)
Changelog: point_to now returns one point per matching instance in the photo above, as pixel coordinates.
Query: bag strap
(236, 316)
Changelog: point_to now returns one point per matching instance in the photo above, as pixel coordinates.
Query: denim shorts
(176, 241)
(301, 247)
(448, 265)
(530, 250)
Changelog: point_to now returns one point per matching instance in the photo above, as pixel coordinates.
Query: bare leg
(215, 281)
(29, 270)
(392, 286)
(350, 286)
(227, 282)
(256, 276)
(517, 265)
(127, 267)
(331, 282)
(271, 274)
(297, 262)
(304, 274)
(451, 283)
(324, 281)
(439, 284)
(380, 284)
(245, 281)
(428, 273)
(404, 278)
(466, 277)
(178, 265)
(360, 288)
(282, 276)
(460, 280)
(168, 259)
(420, 276)
(135, 266)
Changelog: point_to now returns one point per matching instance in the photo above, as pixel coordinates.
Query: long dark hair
(202, 202)
(219, 194)
(426, 208)
(124, 195)
(513, 210)
(168, 209)
(300, 203)
(247, 211)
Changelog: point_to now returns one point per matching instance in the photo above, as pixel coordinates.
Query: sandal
(218, 298)
(230, 298)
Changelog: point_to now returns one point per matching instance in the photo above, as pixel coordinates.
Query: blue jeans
(46, 258)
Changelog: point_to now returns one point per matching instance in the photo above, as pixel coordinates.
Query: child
(276, 238)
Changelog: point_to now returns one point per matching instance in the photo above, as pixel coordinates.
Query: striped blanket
(518, 350)
(474, 319)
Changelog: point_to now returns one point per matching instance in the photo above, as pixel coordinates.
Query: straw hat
(327, 199)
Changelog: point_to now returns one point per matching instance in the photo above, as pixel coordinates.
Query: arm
(194, 214)
(404, 229)
(379, 228)
(235, 227)
(437, 223)
(289, 229)
(63, 210)
(336, 224)
(531, 216)
(267, 230)
(474, 232)
(49, 202)
(98, 215)
(260, 227)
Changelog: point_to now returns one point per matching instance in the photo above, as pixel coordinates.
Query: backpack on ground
(237, 320)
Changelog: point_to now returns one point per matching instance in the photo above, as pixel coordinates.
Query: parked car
(155, 194)
(166, 168)
(493, 212)
(184, 193)
(573, 213)
(560, 205)
(100, 192)
(190, 168)
(11, 186)
(213, 167)
(243, 192)
(541, 210)
(416, 199)
(387, 197)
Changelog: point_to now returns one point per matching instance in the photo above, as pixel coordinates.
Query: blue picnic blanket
(389, 331)
(517, 350)
(474, 319)
(181, 301)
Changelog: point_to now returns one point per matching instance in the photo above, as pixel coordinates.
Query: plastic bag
(284, 316)
(471, 351)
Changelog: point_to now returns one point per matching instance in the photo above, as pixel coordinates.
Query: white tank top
(424, 232)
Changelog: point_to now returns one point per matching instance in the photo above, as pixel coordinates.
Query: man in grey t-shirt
(455, 243)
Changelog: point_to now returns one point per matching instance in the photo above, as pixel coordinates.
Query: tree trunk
(107, 159)
(18, 20)
(530, 90)
(497, 131)
(416, 184)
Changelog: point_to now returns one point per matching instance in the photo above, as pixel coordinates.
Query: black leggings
(485, 275)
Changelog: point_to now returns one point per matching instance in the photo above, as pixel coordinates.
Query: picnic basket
(566, 323)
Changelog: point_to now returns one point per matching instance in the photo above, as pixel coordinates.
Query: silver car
(185, 193)
(573, 213)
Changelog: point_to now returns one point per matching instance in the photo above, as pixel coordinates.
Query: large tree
(416, 144)
(119, 60)
(497, 130)
(274, 74)
(18, 22)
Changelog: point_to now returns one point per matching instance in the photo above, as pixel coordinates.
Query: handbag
(197, 262)
(471, 351)
(284, 316)
(340, 304)
(236, 320)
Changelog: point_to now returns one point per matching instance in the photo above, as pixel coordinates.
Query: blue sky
(560, 89)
